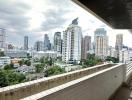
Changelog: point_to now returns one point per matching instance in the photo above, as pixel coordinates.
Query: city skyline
(31, 19)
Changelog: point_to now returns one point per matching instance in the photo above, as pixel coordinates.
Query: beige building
(119, 42)
(86, 46)
(101, 43)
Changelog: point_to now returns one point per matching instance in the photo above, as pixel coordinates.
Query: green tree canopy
(91, 60)
(113, 59)
(27, 62)
(2, 53)
(54, 71)
(39, 68)
(8, 77)
(3, 79)
(9, 67)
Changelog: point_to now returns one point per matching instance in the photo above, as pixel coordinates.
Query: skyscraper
(25, 42)
(119, 42)
(57, 42)
(86, 46)
(2, 38)
(72, 38)
(101, 43)
(39, 46)
(47, 44)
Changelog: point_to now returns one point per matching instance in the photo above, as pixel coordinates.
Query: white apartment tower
(101, 43)
(72, 37)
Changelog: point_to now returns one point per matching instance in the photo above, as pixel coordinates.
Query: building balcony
(101, 80)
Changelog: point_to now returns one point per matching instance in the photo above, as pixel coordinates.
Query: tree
(3, 79)
(9, 67)
(15, 78)
(47, 61)
(2, 53)
(50, 62)
(28, 56)
(91, 60)
(27, 62)
(113, 59)
(8, 77)
(42, 60)
(54, 71)
(39, 68)
(21, 62)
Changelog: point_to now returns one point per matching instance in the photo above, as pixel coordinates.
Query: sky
(35, 18)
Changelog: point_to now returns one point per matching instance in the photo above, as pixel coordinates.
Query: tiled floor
(124, 93)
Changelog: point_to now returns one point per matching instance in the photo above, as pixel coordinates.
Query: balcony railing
(22, 90)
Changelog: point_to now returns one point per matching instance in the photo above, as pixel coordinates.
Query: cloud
(54, 19)
(35, 18)
(55, 16)
(13, 18)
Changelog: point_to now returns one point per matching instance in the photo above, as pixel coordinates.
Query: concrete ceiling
(115, 13)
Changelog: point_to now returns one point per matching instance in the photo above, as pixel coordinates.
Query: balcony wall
(97, 86)
(22, 90)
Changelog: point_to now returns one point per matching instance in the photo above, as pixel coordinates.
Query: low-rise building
(68, 67)
(16, 53)
(112, 52)
(15, 61)
(4, 61)
(124, 56)
(25, 69)
(49, 54)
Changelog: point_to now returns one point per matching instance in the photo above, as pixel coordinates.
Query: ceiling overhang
(115, 13)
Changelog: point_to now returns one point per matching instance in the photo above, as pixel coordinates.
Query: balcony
(102, 80)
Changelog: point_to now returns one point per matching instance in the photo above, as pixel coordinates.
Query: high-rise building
(2, 38)
(119, 43)
(86, 46)
(61, 45)
(57, 42)
(47, 44)
(101, 43)
(25, 42)
(72, 38)
(39, 46)
(51, 47)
